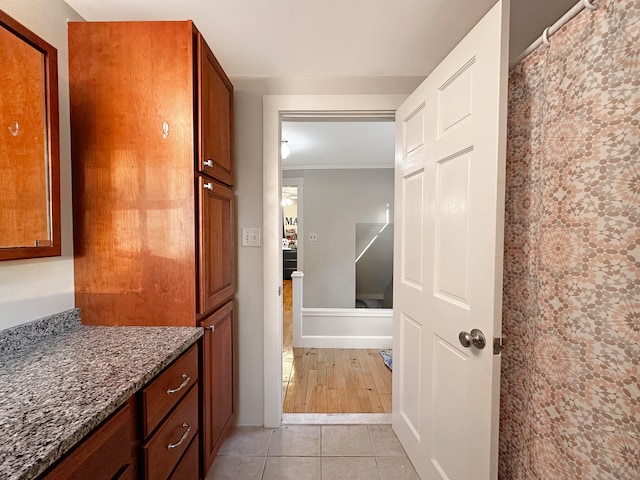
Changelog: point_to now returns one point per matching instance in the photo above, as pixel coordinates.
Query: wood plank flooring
(331, 380)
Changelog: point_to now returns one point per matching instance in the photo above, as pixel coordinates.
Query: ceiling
(339, 144)
(331, 37)
(288, 38)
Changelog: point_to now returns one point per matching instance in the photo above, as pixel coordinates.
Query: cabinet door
(215, 116)
(217, 245)
(217, 381)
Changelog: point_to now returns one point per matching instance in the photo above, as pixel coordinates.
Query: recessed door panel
(414, 131)
(455, 98)
(410, 381)
(449, 424)
(452, 227)
(412, 244)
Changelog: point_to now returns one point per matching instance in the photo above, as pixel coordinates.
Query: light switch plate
(251, 237)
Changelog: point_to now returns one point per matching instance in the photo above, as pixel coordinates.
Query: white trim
(346, 328)
(338, 167)
(335, 341)
(348, 312)
(336, 418)
(274, 108)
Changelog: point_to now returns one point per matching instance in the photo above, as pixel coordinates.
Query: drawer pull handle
(208, 163)
(212, 328)
(185, 380)
(182, 438)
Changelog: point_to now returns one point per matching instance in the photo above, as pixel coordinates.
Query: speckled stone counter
(58, 385)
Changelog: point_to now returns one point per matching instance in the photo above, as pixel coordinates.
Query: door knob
(475, 338)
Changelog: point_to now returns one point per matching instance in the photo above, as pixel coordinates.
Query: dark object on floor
(387, 357)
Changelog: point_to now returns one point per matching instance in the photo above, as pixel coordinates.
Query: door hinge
(498, 344)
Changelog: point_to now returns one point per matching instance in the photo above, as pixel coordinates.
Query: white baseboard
(346, 328)
(346, 342)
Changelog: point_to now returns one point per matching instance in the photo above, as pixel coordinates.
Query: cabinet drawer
(188, 468)
(130, 473)
(107, 453)
(167, 389)
(165, 448)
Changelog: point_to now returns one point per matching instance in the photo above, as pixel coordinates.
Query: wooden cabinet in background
(289, 263)
(151, 138)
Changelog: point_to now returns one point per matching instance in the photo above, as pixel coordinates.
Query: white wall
(31, 289)
(248, 157)
(334, 201)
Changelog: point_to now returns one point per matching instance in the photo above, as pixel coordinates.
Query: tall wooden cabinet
(154, 231)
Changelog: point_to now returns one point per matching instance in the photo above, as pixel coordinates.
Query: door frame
(275, 108)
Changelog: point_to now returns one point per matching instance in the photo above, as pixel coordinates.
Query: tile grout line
(264, 464)
(375, 453)
(321, 466)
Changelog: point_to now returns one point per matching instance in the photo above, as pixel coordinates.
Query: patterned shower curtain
(570, 399)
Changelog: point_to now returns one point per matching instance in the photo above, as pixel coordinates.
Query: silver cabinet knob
(208, 163)
(208, 186)
(475, 338)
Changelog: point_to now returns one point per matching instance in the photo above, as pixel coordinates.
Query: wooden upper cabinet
(215, 117)
(217, 244)
(132, 136)
(149, 102)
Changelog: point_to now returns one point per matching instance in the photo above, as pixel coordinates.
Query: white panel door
(450, 156)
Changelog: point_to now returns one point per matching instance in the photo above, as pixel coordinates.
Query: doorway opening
(275, 109)
(337, 176)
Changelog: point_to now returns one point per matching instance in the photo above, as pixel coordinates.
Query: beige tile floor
(297, 452)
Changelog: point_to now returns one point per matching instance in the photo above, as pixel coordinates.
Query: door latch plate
(498, 344)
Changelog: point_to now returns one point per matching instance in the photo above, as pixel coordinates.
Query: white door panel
(409, 401)
(412, 242)
(450, 153)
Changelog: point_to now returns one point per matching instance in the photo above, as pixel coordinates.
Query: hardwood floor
(331, 380)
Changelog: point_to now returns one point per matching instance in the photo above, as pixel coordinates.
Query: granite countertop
(57, 389)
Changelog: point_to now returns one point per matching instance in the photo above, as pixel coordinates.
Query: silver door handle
(475, 338)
